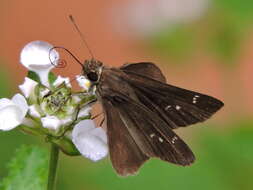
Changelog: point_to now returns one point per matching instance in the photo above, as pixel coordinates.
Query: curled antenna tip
(62, 63)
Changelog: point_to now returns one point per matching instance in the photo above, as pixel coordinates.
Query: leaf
(51, 78)
(27, 170)
(32, 75)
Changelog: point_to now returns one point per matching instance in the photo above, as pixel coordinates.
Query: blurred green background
(206, 47)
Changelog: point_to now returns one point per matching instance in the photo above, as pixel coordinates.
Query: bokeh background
(202, 45)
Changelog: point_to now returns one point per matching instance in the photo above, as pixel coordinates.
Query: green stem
(54, 156)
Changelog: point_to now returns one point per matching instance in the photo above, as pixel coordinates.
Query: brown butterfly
(142, 110)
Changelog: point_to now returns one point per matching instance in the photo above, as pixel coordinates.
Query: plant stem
(54, 156)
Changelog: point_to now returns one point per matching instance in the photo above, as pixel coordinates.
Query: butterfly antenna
(81, 35)
(63, 62)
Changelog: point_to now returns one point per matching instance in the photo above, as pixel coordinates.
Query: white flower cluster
(48, 106)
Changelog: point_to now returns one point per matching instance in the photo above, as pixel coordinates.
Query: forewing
(176, 106)
(145, 69)
(125, 155)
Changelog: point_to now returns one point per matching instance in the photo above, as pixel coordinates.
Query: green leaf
(51, 78)
(27, 170)
(32, 75)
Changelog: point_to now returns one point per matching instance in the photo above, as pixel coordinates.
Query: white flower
(54, 107)
(35, 57)
(89, 140)
(83, 82)
(12, 112)
(51, 122)
(27, 87)
(61, 80)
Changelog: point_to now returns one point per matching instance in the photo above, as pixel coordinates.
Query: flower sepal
(51, 78)
(33, 76)
(65, 145)
(34, 131)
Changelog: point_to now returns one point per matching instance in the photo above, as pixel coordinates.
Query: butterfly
(142, 111)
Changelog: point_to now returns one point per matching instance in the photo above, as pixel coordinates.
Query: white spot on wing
(178, 107)
(194, 100)
(167, 107)
(160, 139)
(174, 139)
(152, 135)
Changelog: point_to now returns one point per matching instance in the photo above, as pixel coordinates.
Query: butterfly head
(92, 69)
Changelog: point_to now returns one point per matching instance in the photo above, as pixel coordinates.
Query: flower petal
(84, 112)
(76, 98)
(5, 102)
(66, 121)
(60, 80)
(20, 101)
(51, 122)
(27, 87)
(89, 140)
(44, 92)
(83, 82)
(10, 117)
(33, 111)
(28, 122)
(12, 112)
(35, 57)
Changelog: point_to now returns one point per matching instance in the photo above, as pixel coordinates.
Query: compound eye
(92, 76)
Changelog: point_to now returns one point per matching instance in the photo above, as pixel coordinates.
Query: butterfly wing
(145, 69)
(141, 129)
(125, 154)
(176, 106)
(151, 133)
